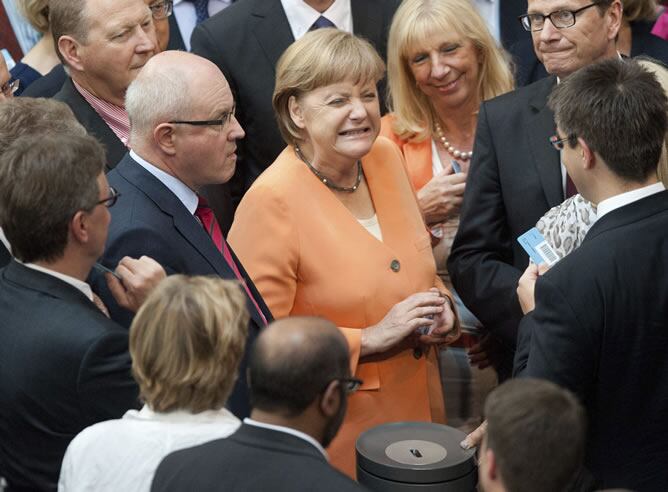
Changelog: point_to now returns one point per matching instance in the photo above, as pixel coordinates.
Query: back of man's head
(535, 437)
(292, 363)
(44, 181)
(619, 109)
(28, 116)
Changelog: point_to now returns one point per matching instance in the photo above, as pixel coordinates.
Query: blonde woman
(186, 343)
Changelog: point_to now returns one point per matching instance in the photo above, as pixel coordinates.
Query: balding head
(292, 363)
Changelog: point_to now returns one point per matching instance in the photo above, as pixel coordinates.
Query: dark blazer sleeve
(554, 343)
(480, 262)
(105, 384)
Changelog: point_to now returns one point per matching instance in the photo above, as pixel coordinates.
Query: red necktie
(210, 224)
(570, 187)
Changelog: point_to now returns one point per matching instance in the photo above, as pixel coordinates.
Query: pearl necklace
(456, 153)
(326, 181)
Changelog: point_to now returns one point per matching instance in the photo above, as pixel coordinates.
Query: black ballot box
(415, 456)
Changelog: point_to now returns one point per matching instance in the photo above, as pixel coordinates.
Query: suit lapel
(419, 162)
(271, 29)
(540, 127)
(175, 38)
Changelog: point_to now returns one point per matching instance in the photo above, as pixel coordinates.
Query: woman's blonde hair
(186, 342)
(639, 10)
(414, 23)
(36, 12)
(320, 58)
(661, 73)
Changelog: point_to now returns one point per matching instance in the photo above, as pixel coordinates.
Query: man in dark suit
(599, 323)
(515, 176)
(65, 365)
(246, 40)
(184, 136)
(299, 380)
(104, 44)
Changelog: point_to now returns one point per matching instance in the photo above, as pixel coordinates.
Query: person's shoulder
(517, 99)
(231, 19)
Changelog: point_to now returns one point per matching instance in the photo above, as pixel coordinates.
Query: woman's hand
(443, 326)
(442, 196)
(527, 285)
(402, 320)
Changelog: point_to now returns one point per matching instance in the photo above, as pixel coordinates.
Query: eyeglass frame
(352, 384)
(573, 14)
(110, 201)
(10, 87)
(227, 117)
(166, 6)
(558, 143)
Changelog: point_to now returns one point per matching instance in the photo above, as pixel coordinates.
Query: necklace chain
(454, 152)
(325, 180)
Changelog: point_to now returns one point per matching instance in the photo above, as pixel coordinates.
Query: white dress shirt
(5, 241)
(301, 16)
(187, 196)
(187, 19)
(288, 430)
(614, 202)
(123, 454)
(74, 282)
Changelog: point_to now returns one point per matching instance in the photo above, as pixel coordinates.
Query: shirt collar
(609, 204)
(301, 16)
(288, 430)
(187, 196)
(146, 413)
(80, 285)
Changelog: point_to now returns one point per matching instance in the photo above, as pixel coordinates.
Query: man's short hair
(187, 341)
(619, 109)
(537, 433)
(28, 116)
(288, 381)
(68, 18)
(44, 181)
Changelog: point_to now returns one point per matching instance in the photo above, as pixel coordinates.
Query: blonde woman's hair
(415, 22)
(661, 73)
(36, 12)
(320, 58)
(186, 343)
(639, 10)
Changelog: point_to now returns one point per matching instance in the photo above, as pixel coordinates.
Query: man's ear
(70, 50)
(614, 17)
(330, 401)
(490, 468)
(588, 156)
(164, 136)
(296, 112)
(79, 225)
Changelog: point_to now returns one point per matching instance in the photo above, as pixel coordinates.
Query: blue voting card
(456, 168)
(538, 249)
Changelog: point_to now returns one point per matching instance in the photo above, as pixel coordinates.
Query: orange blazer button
(395, 265)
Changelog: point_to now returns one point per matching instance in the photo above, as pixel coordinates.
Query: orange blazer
(417, 155)
(308, 255)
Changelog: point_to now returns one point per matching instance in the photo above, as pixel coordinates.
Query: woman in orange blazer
(332, 229)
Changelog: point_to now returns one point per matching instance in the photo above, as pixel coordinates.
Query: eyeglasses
(161, 10)
(10, 87)
(224, 120)
(559, 18)
(350, 385)
(110, 201)
(558, 143)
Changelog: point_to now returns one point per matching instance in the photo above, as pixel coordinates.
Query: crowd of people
(236, 235)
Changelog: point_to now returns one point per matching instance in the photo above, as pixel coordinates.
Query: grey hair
(156, 97)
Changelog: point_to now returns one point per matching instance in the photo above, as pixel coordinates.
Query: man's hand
(138, 279)
(479, 354)
(474, 439)
(527, 285)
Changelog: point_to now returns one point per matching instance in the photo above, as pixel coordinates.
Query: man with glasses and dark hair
(599, 323)
(515, 175)
(184, 135)
(65, 364)
(299, 377)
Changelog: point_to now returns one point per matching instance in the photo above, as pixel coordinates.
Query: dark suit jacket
(63, 366)
(149, 219)
(252, 458)
(643, 43)
(600, 329)
(245, 40)
(5, 255)
(92, 122)
(515, 177)
(511, 28)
